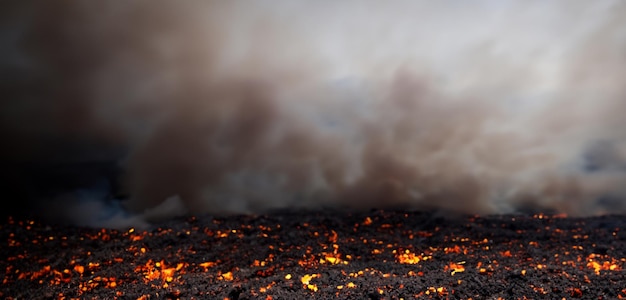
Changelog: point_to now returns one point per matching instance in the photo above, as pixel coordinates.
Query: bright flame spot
(455, 249)
(441, 291)
(80, 269)
(455, 267)
(208, 264)
(594, 263)
(307, 278)
(227, 276)
(410, 258)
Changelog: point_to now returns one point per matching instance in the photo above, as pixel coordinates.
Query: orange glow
(407, 257)
(441, 291)
(208, 264)
(461, 255)
(158, 270)
(80, 269)
(455, 249)
(595, 262)
(455, 268)
(306, 281)
(228, 276)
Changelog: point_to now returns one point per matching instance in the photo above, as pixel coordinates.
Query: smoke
(239, 107)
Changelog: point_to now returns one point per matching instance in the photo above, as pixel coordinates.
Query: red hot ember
(320, 255)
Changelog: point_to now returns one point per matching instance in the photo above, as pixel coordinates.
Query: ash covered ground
(331, 254)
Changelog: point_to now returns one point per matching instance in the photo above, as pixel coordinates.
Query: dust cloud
(240, 107)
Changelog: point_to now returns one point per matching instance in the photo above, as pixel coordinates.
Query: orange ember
(382, 255)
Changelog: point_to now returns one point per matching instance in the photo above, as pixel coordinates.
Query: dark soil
(320, 255)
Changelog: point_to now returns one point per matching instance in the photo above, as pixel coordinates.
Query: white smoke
(489, 106)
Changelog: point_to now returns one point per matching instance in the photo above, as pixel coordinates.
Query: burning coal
(244, 107)
(321, 255)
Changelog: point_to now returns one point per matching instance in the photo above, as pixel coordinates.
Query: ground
(377, 254)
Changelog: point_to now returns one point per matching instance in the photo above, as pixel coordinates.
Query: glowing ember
(306, 281)
(455, 268)
(406, 257)
(384, 257)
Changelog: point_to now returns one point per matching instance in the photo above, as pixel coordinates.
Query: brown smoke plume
(231, 107)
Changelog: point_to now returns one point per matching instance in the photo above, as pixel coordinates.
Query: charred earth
(377, 254)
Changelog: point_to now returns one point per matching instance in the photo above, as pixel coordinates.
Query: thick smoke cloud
(238, 107)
